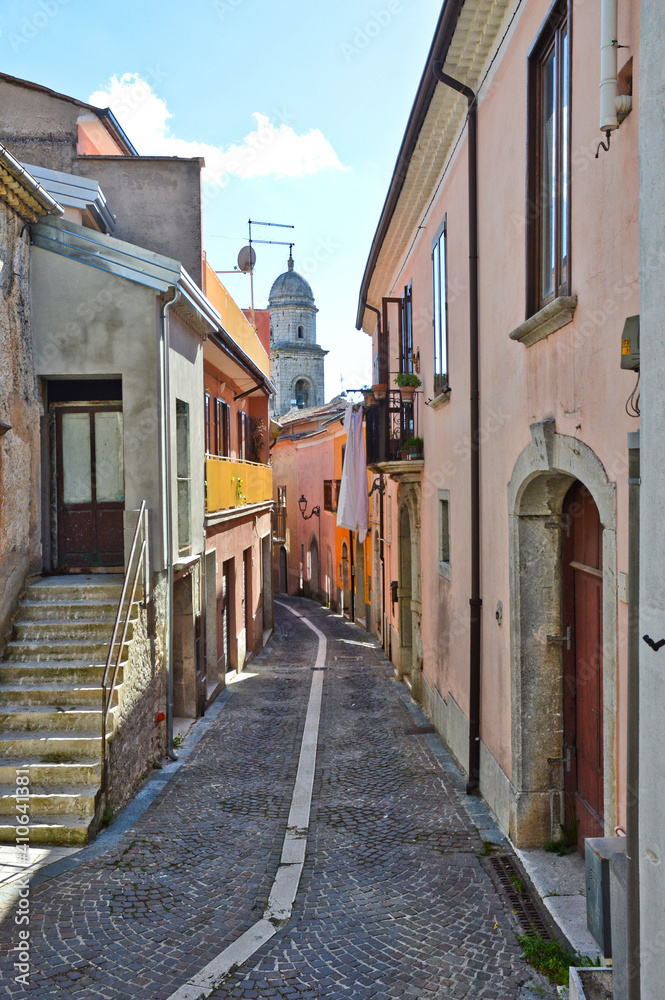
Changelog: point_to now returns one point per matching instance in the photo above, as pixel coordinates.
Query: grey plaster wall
(90, 323)
(652, 497)
(187, 385)
(20, 551)
(157, 202)
(39, 127)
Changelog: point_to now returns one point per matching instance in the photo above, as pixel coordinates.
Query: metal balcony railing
(389, 425)
(231, 482)
(279, 523)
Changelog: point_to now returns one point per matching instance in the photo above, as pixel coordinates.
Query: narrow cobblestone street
(395, 899)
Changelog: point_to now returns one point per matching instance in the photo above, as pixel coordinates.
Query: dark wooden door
(90, 485)
(583, 664)
(224, 622)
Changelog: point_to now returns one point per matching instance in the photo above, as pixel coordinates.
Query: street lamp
(302, 504)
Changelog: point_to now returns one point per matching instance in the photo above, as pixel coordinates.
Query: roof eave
(443, 35)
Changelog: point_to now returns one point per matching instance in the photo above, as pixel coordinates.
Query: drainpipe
(611, 104)
(475, 601)
(633, 725)
(168, 513)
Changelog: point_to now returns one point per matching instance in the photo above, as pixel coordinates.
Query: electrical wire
(633, 401)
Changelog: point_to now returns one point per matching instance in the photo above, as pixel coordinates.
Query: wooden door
(583, 664)
(248, 617)
(90, 485)
(224, 623)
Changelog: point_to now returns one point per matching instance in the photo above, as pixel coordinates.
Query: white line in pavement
(287, 879)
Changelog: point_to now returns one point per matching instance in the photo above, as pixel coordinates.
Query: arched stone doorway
(314, 583)
(329, 580)
(346, 581)
(361, 614)
(551, 469)
(377, 590)
(283, 571)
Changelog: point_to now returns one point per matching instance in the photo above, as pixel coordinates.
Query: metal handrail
(107, 690)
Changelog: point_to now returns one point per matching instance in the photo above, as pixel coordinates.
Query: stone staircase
(50, 705)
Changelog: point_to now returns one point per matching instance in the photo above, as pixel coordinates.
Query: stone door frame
(542, 475)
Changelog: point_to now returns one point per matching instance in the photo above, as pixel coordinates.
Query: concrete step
(52, 672)
(57, 830)
(61, 630)
(67, 800)
(71, 610)
(32, 718)
(54, 694)
(75, 631)
(102, 587)
(47, 747)
(86, 772)
(93, 651)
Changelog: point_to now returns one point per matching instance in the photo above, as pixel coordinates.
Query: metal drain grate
(521, 902)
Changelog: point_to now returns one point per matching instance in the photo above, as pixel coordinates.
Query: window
(222, 428)
(183, 476)
(207, 422)
(279, 514)
(301, 332)
(440, 303)
(406, 346)
(548, 178)
(302, 393)
(243, 436)
(331, 489)
(444, 533)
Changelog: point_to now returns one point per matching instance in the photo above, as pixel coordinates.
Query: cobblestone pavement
(394, 900)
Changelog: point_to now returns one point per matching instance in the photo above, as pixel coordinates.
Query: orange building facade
(311, 554)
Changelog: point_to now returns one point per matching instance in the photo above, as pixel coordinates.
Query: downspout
(613, 107)
(168, 514)
(633, 725)
(475, 601)
(381, 493)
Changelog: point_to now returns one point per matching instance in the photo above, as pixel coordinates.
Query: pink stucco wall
(573, 376)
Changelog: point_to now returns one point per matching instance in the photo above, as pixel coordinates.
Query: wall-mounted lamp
(302, 504)
(378, 486)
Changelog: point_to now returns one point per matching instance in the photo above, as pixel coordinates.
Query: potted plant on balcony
(408, 383)
(368, 396)
(380, 389)
(414, 448)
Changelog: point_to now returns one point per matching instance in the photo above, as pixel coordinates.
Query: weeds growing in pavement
(552, 959)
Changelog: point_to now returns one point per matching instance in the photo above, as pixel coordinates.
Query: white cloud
(269, 149)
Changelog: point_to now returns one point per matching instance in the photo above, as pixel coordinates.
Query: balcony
(389, 425)
(231, 483)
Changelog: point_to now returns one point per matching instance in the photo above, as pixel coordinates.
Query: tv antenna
(247, 256)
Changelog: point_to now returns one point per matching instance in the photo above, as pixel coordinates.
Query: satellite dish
(246, 259)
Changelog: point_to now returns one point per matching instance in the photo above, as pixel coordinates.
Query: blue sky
(299, 108)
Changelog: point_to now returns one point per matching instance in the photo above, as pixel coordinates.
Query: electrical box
(630, 344)
(597, 852)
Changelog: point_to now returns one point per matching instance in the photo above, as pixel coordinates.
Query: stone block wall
(20, 548)
(139, 740)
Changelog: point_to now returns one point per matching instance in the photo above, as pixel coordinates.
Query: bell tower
(296, 360)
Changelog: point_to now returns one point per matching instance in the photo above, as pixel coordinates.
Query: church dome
(290, 289)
